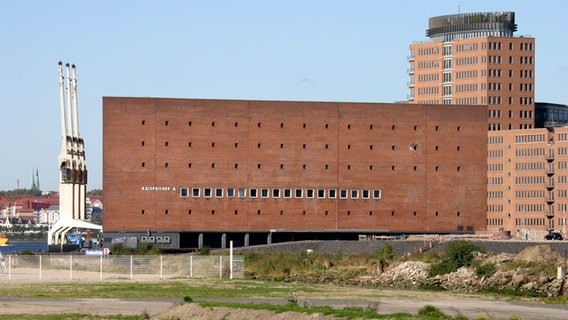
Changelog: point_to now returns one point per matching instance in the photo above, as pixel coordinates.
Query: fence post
(131, 266)
(39, 267)
(9, 267)
(101, 268)
(231, 259)
(161, 267)
(191, 266)
(220, 266)
(70, 267)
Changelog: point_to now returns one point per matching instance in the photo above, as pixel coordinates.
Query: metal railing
(57, 268)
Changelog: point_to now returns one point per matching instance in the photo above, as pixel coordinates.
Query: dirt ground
(388, 301)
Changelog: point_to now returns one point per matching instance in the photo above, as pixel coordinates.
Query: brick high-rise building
(474, 58)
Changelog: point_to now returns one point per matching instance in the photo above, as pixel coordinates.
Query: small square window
(142, 143)
(166, 143)
(195, 192)
(143, 164)
(298, 193)
(253, 193)
(242, 193)
(166, 122)
(218, 192)
(166, 164)
(365, 194)
(207, 192)
(343, 193)
(275, 193)
(264, 193)
(230, 192)
(332, 193)
(354, 194)
(143, 122)
(321, 193)
(287, 193)
(309, 193)
(184, 192)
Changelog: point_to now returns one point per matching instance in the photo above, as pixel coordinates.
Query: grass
(347, 313)
(170, 289)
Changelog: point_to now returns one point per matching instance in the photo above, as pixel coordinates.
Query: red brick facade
(406, 168)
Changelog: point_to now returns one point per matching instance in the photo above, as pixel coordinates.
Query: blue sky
(260, 50)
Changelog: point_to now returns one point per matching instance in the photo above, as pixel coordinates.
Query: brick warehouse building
(189, 173)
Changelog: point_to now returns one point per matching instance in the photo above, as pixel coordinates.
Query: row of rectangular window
(393, 127)
(275, 193)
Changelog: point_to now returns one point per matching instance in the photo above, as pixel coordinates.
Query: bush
(385, 253)
(432, 312)
(142, 248)
(458, 254)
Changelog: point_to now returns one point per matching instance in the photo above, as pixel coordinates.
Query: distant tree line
(95, 192)
(38, 193)
(21, 192)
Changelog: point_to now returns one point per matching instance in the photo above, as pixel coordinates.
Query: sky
(317, 50)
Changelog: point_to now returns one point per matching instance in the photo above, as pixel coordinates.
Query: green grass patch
(348, 313)
(169, 289)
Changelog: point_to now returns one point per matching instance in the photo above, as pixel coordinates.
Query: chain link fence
(58, 268)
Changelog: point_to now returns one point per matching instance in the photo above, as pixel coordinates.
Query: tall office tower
(474, 59)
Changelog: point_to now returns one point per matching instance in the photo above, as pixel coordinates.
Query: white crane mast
(72, 164)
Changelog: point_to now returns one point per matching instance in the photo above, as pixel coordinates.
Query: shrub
(433, 312)
(458, 254)
(385, 253)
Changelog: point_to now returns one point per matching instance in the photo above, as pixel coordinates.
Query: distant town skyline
(302, 51)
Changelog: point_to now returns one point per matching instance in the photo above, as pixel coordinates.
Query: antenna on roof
(458, 7)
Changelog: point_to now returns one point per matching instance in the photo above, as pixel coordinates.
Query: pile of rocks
(415, 274)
